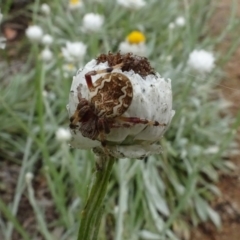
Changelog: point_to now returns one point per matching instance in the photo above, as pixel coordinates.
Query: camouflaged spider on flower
(120, 104)
(110, 96)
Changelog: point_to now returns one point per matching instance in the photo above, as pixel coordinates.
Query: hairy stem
(93, 210)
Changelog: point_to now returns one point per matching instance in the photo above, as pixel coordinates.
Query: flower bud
(146, 99)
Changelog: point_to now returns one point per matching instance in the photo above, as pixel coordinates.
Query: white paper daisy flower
(34, 33)
(74, 51)
(45, 9)
(63, 134)
(201, 61)
(132, 4)
(92, 22)
(46, 54)
(47, 40)
(134, 43)
(137, 131)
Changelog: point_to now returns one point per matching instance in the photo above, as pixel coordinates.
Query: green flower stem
(93, 210)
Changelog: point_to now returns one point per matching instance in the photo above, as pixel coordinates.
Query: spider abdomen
(112, 94)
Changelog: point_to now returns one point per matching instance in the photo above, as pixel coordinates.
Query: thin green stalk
(93, 210)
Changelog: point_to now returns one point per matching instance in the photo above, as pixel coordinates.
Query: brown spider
(110, 96)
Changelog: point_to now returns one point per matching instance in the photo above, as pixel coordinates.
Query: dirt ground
(228, 205)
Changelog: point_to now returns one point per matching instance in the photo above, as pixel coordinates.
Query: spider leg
(81, 110)
(88, 76)
(119, 125)
(136, 120)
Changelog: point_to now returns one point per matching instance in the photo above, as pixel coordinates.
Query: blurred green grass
(156, 198)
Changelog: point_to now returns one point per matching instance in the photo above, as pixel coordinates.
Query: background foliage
(158, 198)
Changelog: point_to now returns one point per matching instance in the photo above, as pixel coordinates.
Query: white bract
(74, 51)
(63, 134)
(152, 100)
(92, 22)
(138, 49)
(34, 33)
(201, 61)
(46, 55)
(132, 4)
(47, 40)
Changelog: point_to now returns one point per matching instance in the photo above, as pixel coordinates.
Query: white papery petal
(139, 49)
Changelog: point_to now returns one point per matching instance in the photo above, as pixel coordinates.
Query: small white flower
(152, 100)
(171, 25)
(46, 55)
(63, 134)
(132, 4)
(49, 95)
(28, 177)
(75, 4)
(92, 22)
(134, 43)
(74, 51)
(47, 40)
(201, 61)
(138, 49)
(34, 33)
(69, 68)
(180, 21)
(45, 9)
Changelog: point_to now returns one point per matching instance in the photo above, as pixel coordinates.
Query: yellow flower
(74, 2)
(136, 37)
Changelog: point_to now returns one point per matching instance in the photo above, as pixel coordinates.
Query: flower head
(135, 43)
(136, 37)
(45, 9)
(132, 4)
(34, 33)
(47, 40)
(127, 134)
(46, 54)
(180, 21)
(92, 22)
(171, 25)
(75, 4)
(63, 134)
(28, 177)
(74, 51)
(201, 61)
